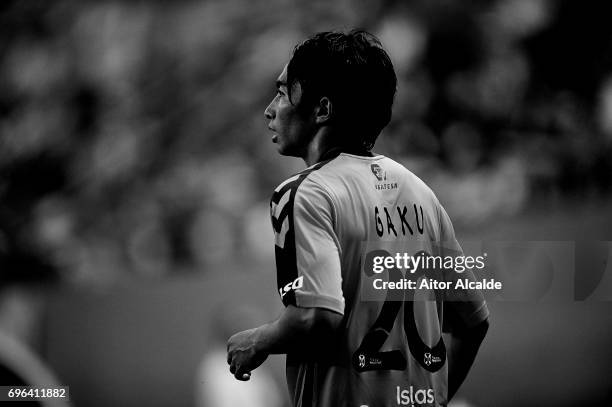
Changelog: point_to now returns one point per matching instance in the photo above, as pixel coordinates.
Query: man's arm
(463, 349)
(296, 329)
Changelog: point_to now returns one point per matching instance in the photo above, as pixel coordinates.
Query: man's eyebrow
(281, 83)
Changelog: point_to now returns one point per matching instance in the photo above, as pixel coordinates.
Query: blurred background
(136, 170)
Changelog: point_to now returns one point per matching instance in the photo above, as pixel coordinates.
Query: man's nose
(269, 112)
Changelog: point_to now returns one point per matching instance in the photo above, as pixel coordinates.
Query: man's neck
(319, 144)
(322, 146)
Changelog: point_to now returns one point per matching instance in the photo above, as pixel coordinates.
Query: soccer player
(349, 343)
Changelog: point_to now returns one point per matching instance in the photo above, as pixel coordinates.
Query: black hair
(354, 71)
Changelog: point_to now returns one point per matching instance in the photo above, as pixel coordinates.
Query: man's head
(342, 80)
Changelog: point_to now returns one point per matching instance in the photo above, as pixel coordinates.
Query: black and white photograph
(283, 203)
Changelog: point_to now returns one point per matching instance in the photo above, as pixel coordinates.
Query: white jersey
(330, 222)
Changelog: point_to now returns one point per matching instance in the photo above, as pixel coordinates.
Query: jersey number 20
(368, 356)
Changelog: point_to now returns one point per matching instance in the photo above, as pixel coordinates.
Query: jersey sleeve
(464, 307)
(307, 248)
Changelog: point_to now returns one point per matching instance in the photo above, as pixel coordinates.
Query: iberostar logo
(378, 172)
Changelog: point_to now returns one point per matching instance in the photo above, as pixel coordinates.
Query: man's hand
(297, 329)
(243, 354)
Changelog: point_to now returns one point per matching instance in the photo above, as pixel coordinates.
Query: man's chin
(284, 151)
(281, 150)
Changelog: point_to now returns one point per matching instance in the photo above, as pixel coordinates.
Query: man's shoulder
(301, 180)
(351, 175)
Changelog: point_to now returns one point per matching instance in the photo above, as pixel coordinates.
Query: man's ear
(323, 111)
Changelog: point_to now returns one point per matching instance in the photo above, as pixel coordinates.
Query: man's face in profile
(292, 129)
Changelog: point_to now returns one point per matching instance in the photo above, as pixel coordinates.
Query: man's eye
(280, 92)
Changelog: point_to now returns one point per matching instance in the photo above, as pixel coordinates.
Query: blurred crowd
(133, 142)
